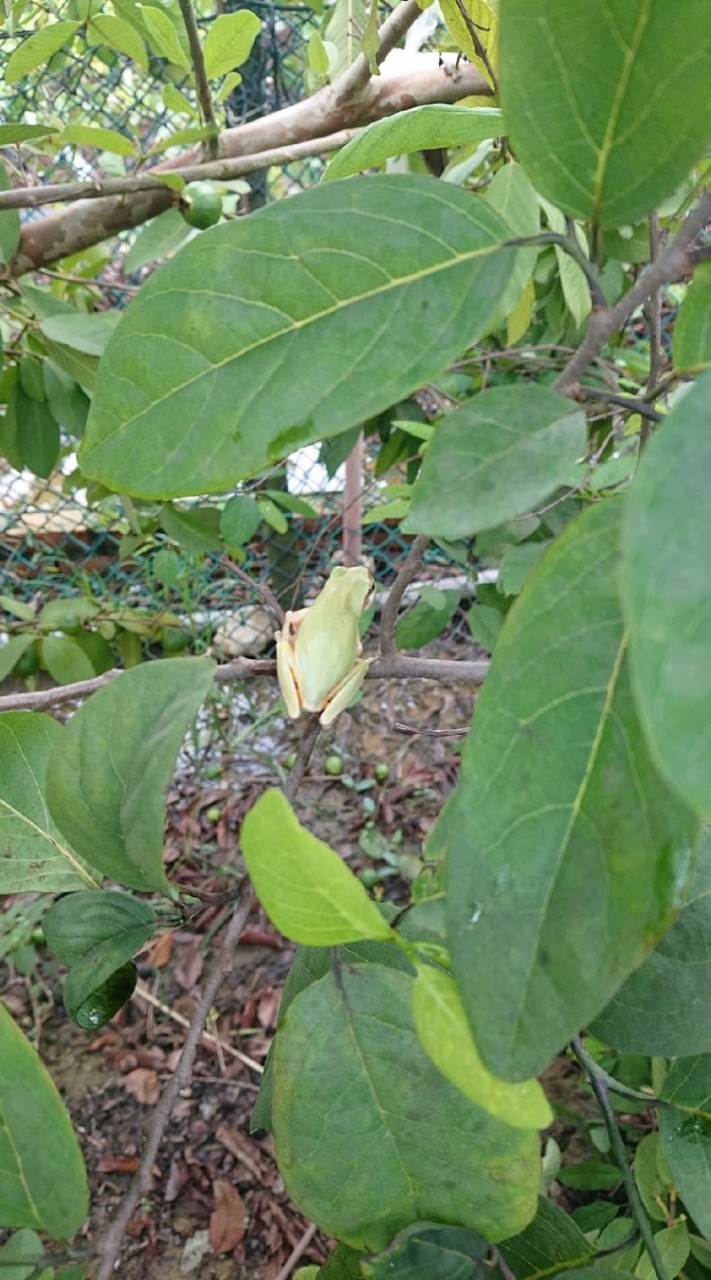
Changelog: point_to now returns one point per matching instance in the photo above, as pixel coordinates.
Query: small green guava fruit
(200, 205)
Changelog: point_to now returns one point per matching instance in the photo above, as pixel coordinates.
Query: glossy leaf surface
(446, 1038)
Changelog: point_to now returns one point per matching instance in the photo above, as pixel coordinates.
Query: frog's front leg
(286, 663)
(344, 693)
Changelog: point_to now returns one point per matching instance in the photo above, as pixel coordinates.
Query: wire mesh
(56, 543)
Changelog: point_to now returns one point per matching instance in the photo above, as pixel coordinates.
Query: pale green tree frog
(319, 663)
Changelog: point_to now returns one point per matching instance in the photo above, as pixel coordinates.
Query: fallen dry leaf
(243, 1148)
(160, 950)
(144, 1085)
(228, 1220)
(118, 1164)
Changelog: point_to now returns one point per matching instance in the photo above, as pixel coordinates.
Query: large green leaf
(81, 921)
(275, 330)
(34, 857)
(664, 1008)
(370, 1137)
(306, 889)
(607, 105)
(419, 129)
(37, 434)
(551, 1239)
(666, 589)
(43, 1183)
(685, 1130)
(692, 331)
(567, 855)
(429, 1251)
(107, 778)
(494, 458)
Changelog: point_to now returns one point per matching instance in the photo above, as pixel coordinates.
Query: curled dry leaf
(144, 1085)
(228, 1220)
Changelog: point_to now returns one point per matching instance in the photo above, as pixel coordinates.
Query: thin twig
(416, 729)
(393, 667)
(216, 171)
(672, 264)
(652, 312)
(632, 403)
(570, 245)
(142, 993)
(406, 574)
(478, 43)
(303, 755)
(110, 1246)
(212, 145)
(262, 588)
(354, 80)
(297, 1252)
(599, 1085)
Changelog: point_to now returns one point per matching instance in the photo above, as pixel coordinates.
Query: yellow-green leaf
(229, 83)
(484, 23)
(317, 54)
(39, 48)
(177, 101)
(229, 42)
(691, 345)
(307, 891)
(446, 1038)
(87, 135)
(520, 318)
(164, 37)
(120, 35)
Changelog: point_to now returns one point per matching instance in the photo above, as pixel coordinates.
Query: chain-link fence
(58, 541)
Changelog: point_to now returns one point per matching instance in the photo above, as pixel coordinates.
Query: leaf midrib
(574, 815)
(295, 326)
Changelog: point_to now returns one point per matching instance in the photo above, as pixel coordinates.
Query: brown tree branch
(211, 148)
(216, 170)
(673, 263)
(342, 105)
(406, 575)
(392, 667)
